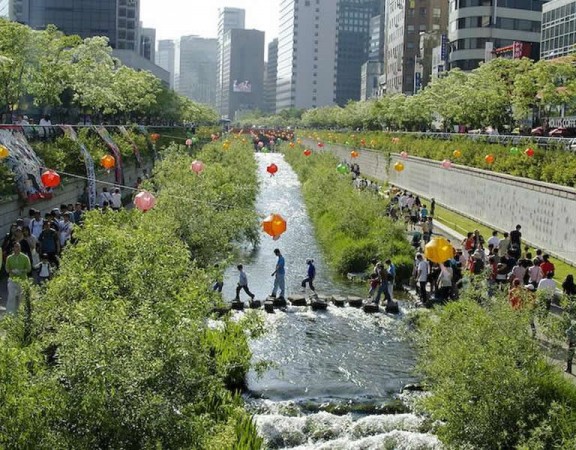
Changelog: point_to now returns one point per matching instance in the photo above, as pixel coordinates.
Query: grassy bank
(115, 351)
(351, 225)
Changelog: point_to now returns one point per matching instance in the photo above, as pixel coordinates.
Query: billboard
(242, 86)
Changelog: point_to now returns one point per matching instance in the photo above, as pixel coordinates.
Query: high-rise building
(306, 54)
(166, 58)
(243, 72)
(119, 20)
(271, 77)
(406, 20)
(558, 28)
(370, 78)
(147, 47)
(353, 40)
(196, 68)
(228, 19)
(476, 28)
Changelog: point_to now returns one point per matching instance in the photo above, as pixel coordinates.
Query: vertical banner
(89, 163)
(125, 133)
(26, 166)
(118, 172)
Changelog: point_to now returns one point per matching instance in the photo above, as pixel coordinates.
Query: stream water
(333, 371)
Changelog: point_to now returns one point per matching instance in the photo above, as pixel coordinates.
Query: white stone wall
(547, 212)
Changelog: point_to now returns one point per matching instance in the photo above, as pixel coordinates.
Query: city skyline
(194, 19)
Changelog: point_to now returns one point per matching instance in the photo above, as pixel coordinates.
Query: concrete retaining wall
(547, 212)
(68, 192)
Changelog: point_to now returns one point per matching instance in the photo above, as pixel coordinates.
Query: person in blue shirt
(279, 275)
(311, 274)
(423, 213)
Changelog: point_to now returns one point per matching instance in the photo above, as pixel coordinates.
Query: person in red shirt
(514, 295)
(546, 265)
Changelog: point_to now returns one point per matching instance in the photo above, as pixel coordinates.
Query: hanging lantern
(395, 140)
(50, 179)
(514, 151)
(188, 142)
(398, 167)
(447, 164)
(307, 152)
(298, 141)
(372, 143)
(4, 152)
(404, 155)
(154, 137)
(291, 144)
(260, 144)
(439, 250)
(272, 169)
(274, 225)
(489, 159)
(347, 143)
(265, 149)
(226, 145)
(457, 153)
(197, 167)
(320, 144)
(362, 142)
(529, 152)
(194, 139)
(144, 201)
(342, 168)
(108, 162)
(354, 154)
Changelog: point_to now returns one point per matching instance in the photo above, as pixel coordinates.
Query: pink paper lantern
(144, 201)
(197, 167)
(188, 142)
(447, 164)
(404, 155)
(260, 144)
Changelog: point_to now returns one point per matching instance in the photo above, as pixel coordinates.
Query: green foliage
(350, 224)
(115, 351)
(491, 387)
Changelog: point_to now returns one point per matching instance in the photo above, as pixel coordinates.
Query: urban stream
(333, 372)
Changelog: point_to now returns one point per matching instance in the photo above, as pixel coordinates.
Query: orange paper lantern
(354, 154)
(489, 159)
(108, 162)
(154, 137)
(274, 225)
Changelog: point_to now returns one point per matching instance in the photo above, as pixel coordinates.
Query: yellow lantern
(439, 250)
(398, 167)
(457, 153)
(3, 152)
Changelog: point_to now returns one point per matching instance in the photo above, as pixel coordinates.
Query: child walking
(374, 283)
(45, 269)
(242, 283)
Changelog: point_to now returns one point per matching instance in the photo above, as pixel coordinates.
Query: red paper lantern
(274, 225)
(307, 152)
(529, 152)
(144, 201)
(108, 162)
(489, 159)
(320, 144)
(154, 137)
(50, 179)
(197, 167)
(272, 169)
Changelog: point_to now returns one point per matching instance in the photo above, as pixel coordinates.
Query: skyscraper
(228, 19)
(558, 28)
(352, 50)
(166, 58)
(148, 43)
(119, 20)
(243, 72)
(271, 77)
(477, 28)
(306, 54)
(196, 69)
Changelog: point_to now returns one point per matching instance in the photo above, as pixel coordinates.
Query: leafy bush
(350, 224)
(116, 351)
(491, 388)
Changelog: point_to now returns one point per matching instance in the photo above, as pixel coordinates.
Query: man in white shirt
(548, 288)
(105, 197)
(36, 224)
(494, 240)
(116, 199)
(422, 270)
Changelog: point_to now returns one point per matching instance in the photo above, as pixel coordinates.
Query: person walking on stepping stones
(311, 274)
(242, 284)
(279, 275)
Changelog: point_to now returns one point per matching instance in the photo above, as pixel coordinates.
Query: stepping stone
(255, 304)
(318, 305)
(222, 310)
(392, 308)
(297, 300)
(355, 302)
(238, 306)
(371, 308)
(280, 303)
(269, 306)
(338, 300)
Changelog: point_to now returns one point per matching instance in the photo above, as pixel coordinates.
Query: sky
(175, 18)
